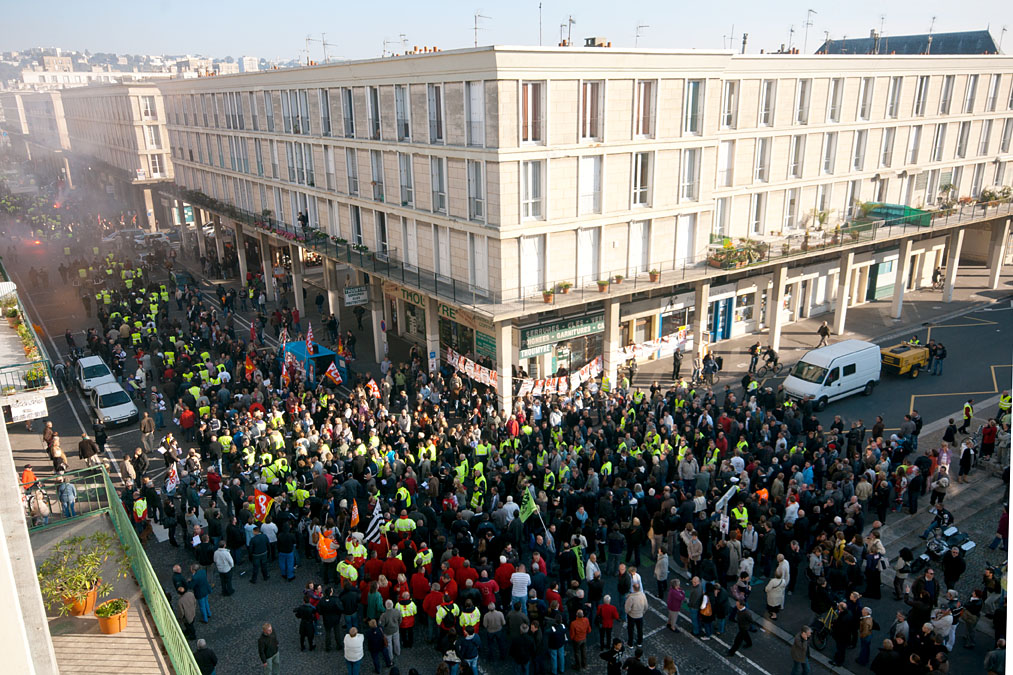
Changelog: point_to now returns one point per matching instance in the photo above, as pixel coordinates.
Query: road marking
(981, 322)
(655, 631)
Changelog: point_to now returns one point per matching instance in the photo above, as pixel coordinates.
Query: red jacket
(465, 573)
(373, 568)
(393, 567)
(432, 601)
(488, 589)
(450, 588)
(607, 614)
(420, 587)
(503, 574)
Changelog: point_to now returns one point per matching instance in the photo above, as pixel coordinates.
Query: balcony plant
(112, 615)
(36, 377)
(563, 287)
(13, 316)
(618, 279)
(603, 285)
(547, 296)
(655, 275)
(69, 579)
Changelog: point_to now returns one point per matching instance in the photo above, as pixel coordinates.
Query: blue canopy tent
(321, 359)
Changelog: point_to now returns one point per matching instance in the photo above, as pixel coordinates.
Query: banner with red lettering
(261, 505)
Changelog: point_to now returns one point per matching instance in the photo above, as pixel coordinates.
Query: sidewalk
(871, 321)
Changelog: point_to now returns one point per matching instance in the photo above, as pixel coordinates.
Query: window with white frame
(325, 112)
(286, 112)
(722, 216)
(963, 134)
(893, 98)
(476, 190)
(639, 250)
(985, 138)
(347, 112)
(729, 104)
(796, 156)
(588, 255)
(977, 180)
(829, 152)
(478, 262)
(1000, 173)
(726, 163)
(757, 212)
(254, 115)
(329, 174)
(932, 187)
(355, 218)
(589, 183)
(946, 95)
(823, 195)
(434, 96)
(402, 110)
(153, 138)
(768, 90)
(376, 167)
(689, 186)
(693, 108)
(532, 257)
(939, 142)
(148, 109)
(1007, 135)
(474, 101)
(921, 95)
(352, 171)
(156, 163)
(969, 93)
(642, 179)
(643, 118)
(834, 98)
(373, 112)
(204, 108)
(592, 108)
(404, 165)
(858, 154)
(532, 189)
(791, 209)
(957, 177)
(438, 177)
(410, 237)
(761, 160)
(380, 220)
(914, 141)
(865, 90)
(803, 92)
(532, 111)
(268, 111)
(441, 251)
(886, 149)
(852, 199)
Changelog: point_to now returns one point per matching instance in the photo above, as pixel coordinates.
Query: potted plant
(112, 615)
(655, 275)
(618, 279)
(35, 377)
(547, 296)
(69, 579)
(603, 285)
(13, 318)
(563, 287)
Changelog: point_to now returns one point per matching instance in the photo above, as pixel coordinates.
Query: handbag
(706, 609)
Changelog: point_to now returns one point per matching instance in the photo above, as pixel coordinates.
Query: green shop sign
(485, 345)
(558, 331)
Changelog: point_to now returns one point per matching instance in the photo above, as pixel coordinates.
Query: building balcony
(26, 374)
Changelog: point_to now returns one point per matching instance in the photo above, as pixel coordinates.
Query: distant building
(41, 80)
(249, 64)
(60, 64)
(225, 68)
(964, 42)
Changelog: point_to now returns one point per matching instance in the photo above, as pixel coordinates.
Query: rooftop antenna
(387, 42)
(562, 27)
(1001, 36)
(323, 43)
(539, 24)
(932, 25)
(808, 23)
(308, 38)
(478, 15)
(569, 29)
(791, 35)
(636, 40)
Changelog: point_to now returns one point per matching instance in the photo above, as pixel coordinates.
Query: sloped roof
(964, 42)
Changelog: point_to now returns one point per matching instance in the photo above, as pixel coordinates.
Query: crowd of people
(430, 516)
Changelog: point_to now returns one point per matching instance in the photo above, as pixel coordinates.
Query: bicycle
(821, 631)
(771, 369)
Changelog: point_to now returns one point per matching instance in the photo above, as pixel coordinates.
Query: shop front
(467, 333)
(407, 310)
(655, 327)
(561, 347)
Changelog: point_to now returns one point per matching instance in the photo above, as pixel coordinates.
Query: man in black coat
(743, 621)
(888, 661)
(841, 632)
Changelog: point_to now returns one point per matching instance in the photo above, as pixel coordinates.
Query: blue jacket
(199, 584)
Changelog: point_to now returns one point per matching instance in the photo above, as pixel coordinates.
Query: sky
(278, 30)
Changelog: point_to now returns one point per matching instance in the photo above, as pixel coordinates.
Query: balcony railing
(35, 373)
(701, 265)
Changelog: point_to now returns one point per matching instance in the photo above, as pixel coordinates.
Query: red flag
(285, 377)
(340, 349)
(374, 391)
(309, 339)
(261, 504)
(333, 374)
(249, 367)
(355, 513)
(253, 331)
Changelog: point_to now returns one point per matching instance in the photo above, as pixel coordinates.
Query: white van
(835, 371)
(92, 371)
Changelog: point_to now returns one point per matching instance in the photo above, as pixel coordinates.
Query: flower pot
(13, 321)
(110, 625)
(655, 276)
(564, 289)
(84, 605)
(602, 288)
(547, 298)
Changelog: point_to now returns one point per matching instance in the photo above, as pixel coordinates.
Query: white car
(112, 406)
(92, 371)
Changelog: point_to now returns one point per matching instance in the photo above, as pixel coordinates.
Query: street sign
(383, 326)
(725, 498)
(26, 409)
(433, 363)
(356, 295)
(724, 523)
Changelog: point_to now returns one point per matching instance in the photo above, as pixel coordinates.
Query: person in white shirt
(520, 581)
(353, 646)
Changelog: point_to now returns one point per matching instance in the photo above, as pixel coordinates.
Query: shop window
(459, 338)
(673, 321)
(744, 305)
(415, 321)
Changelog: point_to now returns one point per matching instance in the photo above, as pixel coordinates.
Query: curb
(938, 319)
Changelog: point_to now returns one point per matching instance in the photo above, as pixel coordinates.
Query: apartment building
(478, 179)
(119, 144)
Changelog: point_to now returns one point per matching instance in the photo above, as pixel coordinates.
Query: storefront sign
(141, 174)
(408, 295)
(557, 331)
(26, 409)
(465, 318)
(356, 295)
(485, 345)
(534, 351)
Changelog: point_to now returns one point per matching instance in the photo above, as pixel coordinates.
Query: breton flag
(355, 513)
(172, 479)
(333, 374)
(261, 504)
(374, 390)
(309, 339)
(528, 506)
(373, 531)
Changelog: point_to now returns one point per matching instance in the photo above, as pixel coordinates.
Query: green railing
(101, 497)
(92, 496)
(35, 374)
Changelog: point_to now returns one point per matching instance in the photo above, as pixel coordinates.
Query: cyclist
(937, 278)
(770, 358)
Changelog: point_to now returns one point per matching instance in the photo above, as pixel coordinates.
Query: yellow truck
(905, 358)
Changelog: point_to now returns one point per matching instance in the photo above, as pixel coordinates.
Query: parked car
(91, 372)
(112, 406)
(835, 371)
